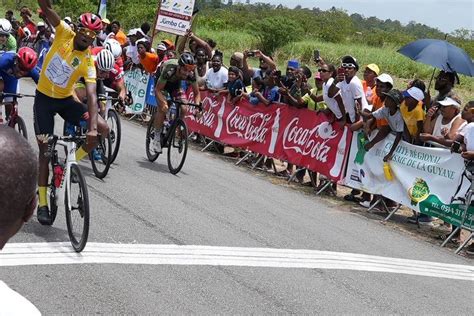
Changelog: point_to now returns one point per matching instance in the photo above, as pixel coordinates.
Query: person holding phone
(266, 63)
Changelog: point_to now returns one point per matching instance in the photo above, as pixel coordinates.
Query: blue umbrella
(439, 54)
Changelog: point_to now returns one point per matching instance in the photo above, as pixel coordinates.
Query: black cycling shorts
(45, 108)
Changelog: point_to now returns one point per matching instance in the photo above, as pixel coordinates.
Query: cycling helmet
(27, 58)
(105, 60)
(114, 47)
(90, 21)
(5, 27)
(187, 59)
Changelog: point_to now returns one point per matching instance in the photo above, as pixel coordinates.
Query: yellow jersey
(63, 66)
(412, 118)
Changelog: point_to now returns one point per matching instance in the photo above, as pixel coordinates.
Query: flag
(102, 11)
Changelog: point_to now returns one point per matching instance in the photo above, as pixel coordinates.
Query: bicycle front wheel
(77, 209)
(20, 126)
(101, 157)
(115, 126)
(150, 136)
(177, 146)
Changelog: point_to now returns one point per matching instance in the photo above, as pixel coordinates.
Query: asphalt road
(213, 203)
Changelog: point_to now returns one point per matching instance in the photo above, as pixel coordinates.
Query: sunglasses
(348, 65)
(323, 70)
(86, 32)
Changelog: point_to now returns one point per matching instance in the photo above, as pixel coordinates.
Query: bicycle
(13, 119)
(466, 203)
(63, 177)
(174, 136)
(101, 156)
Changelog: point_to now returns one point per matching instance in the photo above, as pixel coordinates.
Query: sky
(446, 15)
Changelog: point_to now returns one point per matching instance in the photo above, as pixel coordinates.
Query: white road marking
(24, 254)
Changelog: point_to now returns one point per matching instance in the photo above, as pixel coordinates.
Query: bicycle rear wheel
(113, 120)
(20, 126)
(177, 146)
(101, 157)
(77, 210)
(150, 136)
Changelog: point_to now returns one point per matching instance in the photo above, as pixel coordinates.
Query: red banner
(300, 136)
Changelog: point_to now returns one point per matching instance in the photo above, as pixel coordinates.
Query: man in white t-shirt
(217, 76)
(350, 86)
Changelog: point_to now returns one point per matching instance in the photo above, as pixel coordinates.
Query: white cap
(40, 23)
(385, 78)
(132, 32)
(68, 20)
(415, 93)
(449, 101)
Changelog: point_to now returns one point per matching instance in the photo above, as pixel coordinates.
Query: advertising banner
(424, 179)
(136, 82)
(174, 16)
(300, 136)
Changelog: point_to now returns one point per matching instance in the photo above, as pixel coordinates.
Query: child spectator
(256, 95)
(391, 113)
(413, 113)
(371, 73)
(148, 60)
(217, 76)
(235, 85)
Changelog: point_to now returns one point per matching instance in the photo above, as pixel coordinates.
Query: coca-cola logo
(251, 127)
(208, 115)
(309, 142)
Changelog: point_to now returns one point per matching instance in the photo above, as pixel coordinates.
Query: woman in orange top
(148, 60)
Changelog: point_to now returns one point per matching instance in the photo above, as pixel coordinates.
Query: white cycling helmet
(114, 46)
(105, 60)
(5, 27)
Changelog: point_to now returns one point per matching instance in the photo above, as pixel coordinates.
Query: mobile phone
(340, 71)
(316, 55)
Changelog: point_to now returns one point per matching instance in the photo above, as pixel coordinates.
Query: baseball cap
(395, 95)
(415, 93)
(375, 69)
(68, 20)
(105, 21)
(450, 101)
(40, 23)
(385, 78)
(350, 60)
(294, 64)
(168, 43)
(132, 32)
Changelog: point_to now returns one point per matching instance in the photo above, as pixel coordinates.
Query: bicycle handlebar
(16, 95)
(199, 106)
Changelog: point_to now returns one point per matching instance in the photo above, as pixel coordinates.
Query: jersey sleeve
(63, 31)
(7, 60)
(90, 75)
(34, 74)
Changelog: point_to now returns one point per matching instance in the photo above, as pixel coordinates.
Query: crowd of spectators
(373, 105)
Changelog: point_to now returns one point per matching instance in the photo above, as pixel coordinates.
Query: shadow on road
(47, 233)
(153, 166)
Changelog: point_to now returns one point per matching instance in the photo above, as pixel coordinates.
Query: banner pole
(154, 32)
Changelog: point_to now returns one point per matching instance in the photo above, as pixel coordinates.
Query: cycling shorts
(45, 108)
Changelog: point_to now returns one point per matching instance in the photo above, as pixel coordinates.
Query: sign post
(175, 16)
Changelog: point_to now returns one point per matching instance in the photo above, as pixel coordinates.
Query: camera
(238, 92)
(456, 147)
(251, 53)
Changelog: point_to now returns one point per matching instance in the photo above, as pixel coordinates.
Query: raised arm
(50, 15)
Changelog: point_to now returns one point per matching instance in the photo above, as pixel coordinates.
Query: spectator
(169, 45)
(235, 85)
(271, 90)
(266, 63)
(202, 67)
(102, 36)
(118, 33)
(148, 60)
(17, 193)
(237, 60)
(335, 105)
(217, 76)
(131, 50)
(194, 42)
(27, 22)
(9, 16)
(40, 38)
(440, 129)
(7, 40)
(444, 84)
(413, 113)
(145, 28)
(370, 74)
(391, 113)
(352, 92)
(384, 83)
(256, 95)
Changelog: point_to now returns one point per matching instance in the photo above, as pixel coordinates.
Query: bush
(275, 32)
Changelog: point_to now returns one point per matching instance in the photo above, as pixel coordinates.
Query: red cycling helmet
(27, 58)
(91, 21)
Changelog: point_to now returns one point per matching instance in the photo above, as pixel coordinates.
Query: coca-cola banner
(300, 136)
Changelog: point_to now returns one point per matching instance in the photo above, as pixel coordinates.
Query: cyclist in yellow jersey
(68, 59)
